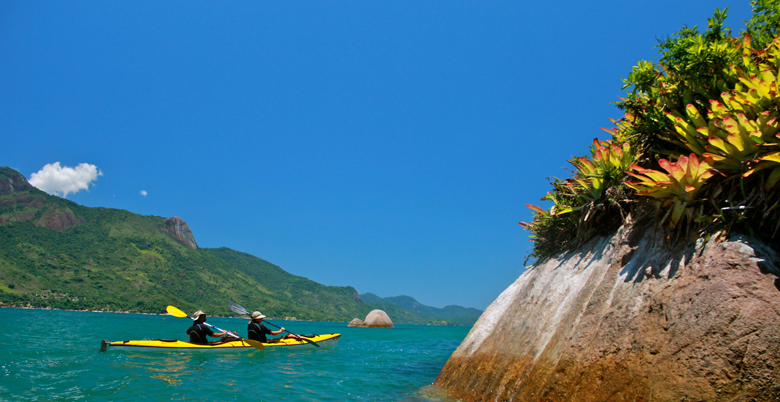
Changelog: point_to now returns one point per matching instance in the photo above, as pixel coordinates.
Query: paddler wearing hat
(257, 331)
(198, 330)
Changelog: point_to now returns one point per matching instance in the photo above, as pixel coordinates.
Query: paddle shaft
(233, 334)
(307, 340)
(238, 309)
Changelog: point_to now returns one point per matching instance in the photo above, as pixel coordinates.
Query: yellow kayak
(308, 342)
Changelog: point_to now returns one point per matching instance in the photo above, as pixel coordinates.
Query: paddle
(236, 308)
(178, 313)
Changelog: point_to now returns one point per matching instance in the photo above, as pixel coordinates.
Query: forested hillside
(56, 253)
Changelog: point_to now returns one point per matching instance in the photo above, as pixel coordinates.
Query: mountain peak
(11, 181)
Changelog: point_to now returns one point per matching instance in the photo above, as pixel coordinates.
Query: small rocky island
(374, 319)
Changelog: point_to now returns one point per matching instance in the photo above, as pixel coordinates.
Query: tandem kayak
(325, 341)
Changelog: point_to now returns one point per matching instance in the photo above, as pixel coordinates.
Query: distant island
(55, 253)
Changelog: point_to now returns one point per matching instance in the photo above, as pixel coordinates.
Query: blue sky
(389, 146)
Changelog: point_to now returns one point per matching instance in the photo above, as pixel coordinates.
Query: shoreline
(141, 313)
(2, 306)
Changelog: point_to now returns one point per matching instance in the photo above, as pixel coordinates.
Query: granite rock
(629, 318)
(374, 319)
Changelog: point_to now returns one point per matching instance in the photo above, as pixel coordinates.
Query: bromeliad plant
(741, 134)
(739, 130)
(676, 190)
(588, 202)
(594, 177)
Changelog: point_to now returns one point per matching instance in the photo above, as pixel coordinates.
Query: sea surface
(54, 355)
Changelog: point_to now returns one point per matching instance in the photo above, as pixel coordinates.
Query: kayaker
(198, 330)
(257, 331)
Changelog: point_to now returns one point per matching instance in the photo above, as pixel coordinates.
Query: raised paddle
(236, 308)
(178, 313)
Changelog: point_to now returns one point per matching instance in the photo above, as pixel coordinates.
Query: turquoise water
(53, 355)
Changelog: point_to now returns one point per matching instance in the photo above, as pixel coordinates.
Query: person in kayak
(198, 330)
(257, 331)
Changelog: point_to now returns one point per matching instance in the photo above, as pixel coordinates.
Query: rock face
(625, 318)
(59, 219)
(177, 228)
(374, 319)
(11, 181)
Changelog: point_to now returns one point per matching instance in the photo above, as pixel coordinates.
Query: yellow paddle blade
(255, 344)
(175, 312)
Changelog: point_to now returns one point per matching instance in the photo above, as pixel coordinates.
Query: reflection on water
(169, 369)
(367, 365)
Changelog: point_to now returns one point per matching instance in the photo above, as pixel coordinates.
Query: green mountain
(56, 253)
(450, 314)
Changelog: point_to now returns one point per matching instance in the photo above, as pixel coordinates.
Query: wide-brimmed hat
(256, 316)
(198, 314)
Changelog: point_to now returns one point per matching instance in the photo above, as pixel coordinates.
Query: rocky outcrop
(625, 318)
(59, 219)
(177, 228)
(374, 319)
(12, 181)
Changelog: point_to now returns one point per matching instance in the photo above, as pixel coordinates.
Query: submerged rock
(374, 319)
(627, 318)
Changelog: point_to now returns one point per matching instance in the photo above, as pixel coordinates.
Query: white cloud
(144, 193)
(62, 181)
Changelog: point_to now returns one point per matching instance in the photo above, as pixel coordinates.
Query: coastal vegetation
(699, 142)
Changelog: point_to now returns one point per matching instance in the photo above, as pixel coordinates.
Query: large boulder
(374, 319)
(378, 319)
(626, 318)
